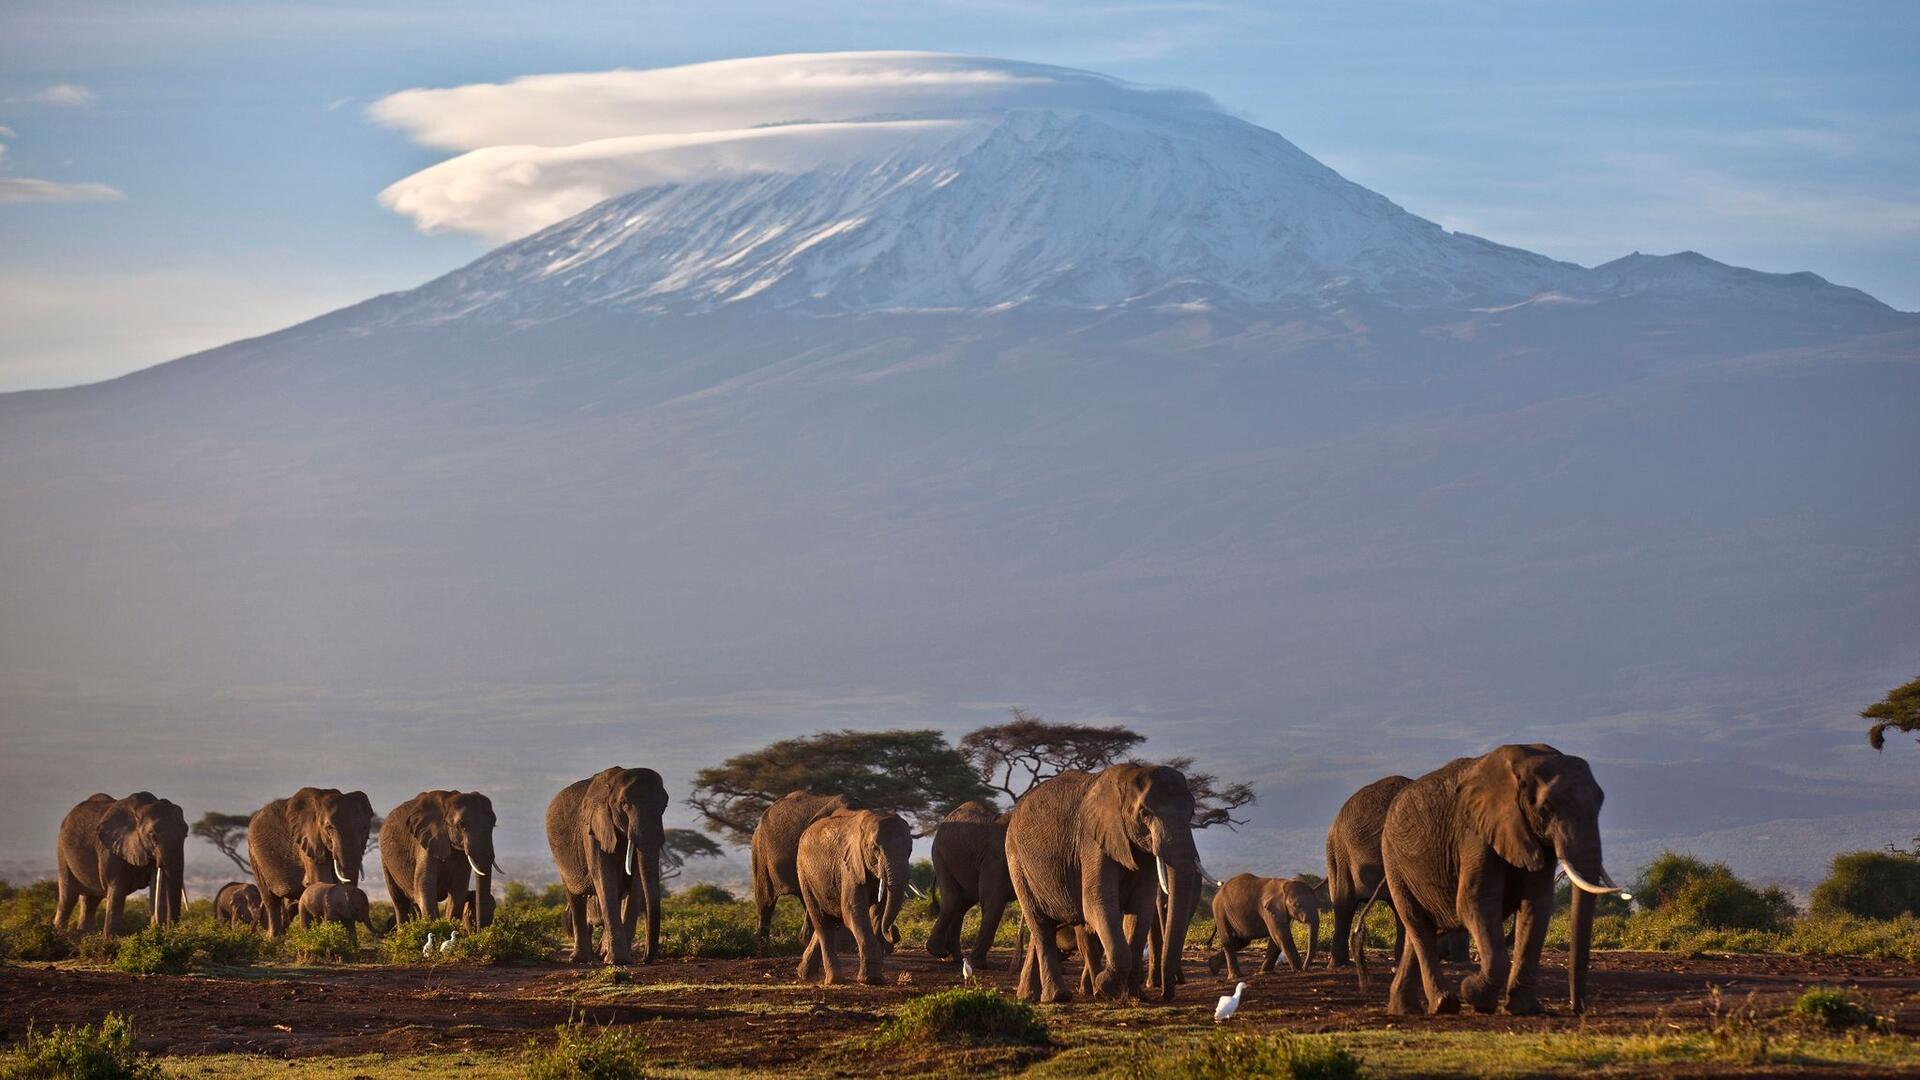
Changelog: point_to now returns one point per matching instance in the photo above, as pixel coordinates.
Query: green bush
(1224, 1056)
(521, 894)
(184, 947)
(721, 931)
(1663, 878)
(1723, 902)
(404, 944)
(321, 943)
(602, 1053)
(105, 1052)
(965, 1016)
(703, 893)
(1870, 884)
(516, 934)
(1830, 1007)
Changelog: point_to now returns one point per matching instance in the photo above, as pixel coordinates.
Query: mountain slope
(1112, 412)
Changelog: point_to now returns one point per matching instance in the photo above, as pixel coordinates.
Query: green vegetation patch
(1871, 885)
(964, 1016)
(1832, 1008)
(184, 947)
(586, 1051)
(85, 1052)
(1224, 1056)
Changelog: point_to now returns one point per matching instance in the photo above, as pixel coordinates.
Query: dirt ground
(752, 1014)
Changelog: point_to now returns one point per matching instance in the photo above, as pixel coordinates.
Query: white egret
(447, 945)
(966, 969)
(427, 949)
(1229, 1003)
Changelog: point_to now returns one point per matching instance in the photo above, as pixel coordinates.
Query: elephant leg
(116, 902)
(1421, 956)
(1027, 987)
(88, 906)
(68, 893)
(609, 886)
(868, 946)
(1343, 908)
(1481, 990)
(992, 910)
(942, 939)
(1529, 934)
(1044, 954)
(1280, 936)
(1092, 957)
(1230, 949)
(811, 966)
(577, 925)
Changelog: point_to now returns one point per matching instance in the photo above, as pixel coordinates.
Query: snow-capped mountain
(887, 390)
(1072, 208)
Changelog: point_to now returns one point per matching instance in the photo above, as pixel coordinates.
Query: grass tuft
(1224, 1056)
(595, 1053)
(966, 1017)
(1830, 1007)
(82, 1052)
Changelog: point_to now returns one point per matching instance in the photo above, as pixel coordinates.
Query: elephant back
(776, 839)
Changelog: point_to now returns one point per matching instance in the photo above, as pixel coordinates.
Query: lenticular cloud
(545, 147)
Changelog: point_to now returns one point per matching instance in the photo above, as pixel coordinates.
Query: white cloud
(7, 132)
(70, 95)
(20, 189)
(543, 147)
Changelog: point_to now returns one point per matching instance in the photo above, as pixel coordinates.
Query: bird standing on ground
(966, 969)
(1229, 1003)
(427, 949)
(447, 945)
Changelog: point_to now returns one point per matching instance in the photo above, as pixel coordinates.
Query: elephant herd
(1102, 863)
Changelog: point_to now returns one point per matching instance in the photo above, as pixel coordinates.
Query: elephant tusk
(477, 872)
(915, 890)
(1587, 886)
(1160, 875)
(339, 873)
(629, 856)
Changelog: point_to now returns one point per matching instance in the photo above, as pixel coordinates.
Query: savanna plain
(1715, 978)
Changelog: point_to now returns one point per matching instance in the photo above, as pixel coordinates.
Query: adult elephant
(853, 876)
(969, 867)
(315, 836)
(606, 833)
(776, 844)
(427, 845)
(1475, 841)
(111, 847)
(1354, 873)
(1093, 849)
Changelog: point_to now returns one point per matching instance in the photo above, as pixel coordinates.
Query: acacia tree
(681, 845)
(1899, 710)
(912, 773)
(1213, 801)
(1014, 756)
(228, 832)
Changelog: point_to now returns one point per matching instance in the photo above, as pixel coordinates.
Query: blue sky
(220, 172)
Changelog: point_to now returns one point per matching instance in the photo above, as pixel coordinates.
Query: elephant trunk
(1580, 947)
(893, 875)
(1183, 895)
(1313, 937)
(427, 886)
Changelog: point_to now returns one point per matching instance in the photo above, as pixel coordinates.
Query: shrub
(521, 894)
(703, 893)
(965, 1016)
(1223, 1056)
(1663, 878)
(26, 924)
(1830, 1007)
(515, 935)
(184, 947)
(321, 943)
(1724, 902)
(404, 945)
(105, 1052)
(1871, 884)
(605, 1053)
(720, 931)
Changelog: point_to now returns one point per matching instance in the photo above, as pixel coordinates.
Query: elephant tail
(933, 897)
(1336, 875)
(1212, 933)
(1358, 947)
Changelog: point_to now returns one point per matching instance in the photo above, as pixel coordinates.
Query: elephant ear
(1112, 801)
(120, 834)
(360, 801)
(601, 823)
(423, 823)
(1491, 794)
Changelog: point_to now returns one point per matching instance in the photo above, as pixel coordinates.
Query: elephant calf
(238, 904)
(1248, 908)
(343, 904)
(853, 872)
